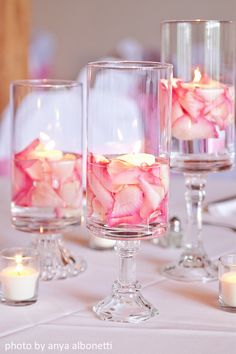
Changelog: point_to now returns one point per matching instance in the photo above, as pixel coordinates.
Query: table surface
(189, 320)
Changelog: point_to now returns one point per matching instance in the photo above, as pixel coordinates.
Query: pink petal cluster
(200, 110)
(44, 182)
(121, 193)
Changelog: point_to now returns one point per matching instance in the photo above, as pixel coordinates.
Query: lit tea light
(200, 82)
(228, 288)
(46, 149)
(19, 282)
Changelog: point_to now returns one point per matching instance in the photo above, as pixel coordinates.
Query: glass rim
(224, 258)
(47, 83)
(30, 253)
(130, 64)
(197, 21)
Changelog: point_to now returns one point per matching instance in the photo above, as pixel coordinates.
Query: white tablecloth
(190, 320)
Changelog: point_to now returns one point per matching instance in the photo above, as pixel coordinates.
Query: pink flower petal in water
(185, 129)
(149, 177)
(23, 198)
(33, 168)
(71, 193)
(116, 167)
(21, 182)
(100, 171)
(101, 193)
(127, 202)
(62, 170)
(209, 94)
(177, 111)
(24, 154)
(153, 195)
(192, 104)
(130, 176)
(43, 195)
(98, 209)
(89, 200)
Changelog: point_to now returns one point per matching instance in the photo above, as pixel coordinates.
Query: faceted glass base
(125, 305)
(56, 261)
(192, 267)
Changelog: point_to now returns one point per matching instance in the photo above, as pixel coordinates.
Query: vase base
(125, 306)
(56, 261)
(192, 267)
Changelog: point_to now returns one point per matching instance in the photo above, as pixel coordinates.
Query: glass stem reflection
(127, 251)
(194, 197)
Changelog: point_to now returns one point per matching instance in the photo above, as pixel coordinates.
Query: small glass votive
(19, 276)
(227, 282)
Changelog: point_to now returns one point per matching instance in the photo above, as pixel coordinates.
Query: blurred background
(56, 38)
(84, 30)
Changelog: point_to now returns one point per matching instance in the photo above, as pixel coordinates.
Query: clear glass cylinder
(128, 149)
(128, 135)
(203, 112)
(19, 275)
(46, 155)
(227, 282)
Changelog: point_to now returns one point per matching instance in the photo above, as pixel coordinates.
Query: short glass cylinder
(128, 149)
(46, 155)
(227, 282)
(203, 114)
(19, 275)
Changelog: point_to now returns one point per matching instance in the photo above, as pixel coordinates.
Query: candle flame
(19, 266)
(47, 142)
(197, 75)
(18, 258)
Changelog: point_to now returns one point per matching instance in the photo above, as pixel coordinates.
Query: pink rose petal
(34, 170)
(209, 94)
(21, 181)
(62, 170)
(177, 111)
(43, 195)
(192, 104)
(23, 198)
(116, 167)
(130, 176)
(101, 193)
(98, 209)
(127, 202)
(71, 194)
(185, 129)
(153, 195)
(24, 154)
(89, 200)
(100, 171)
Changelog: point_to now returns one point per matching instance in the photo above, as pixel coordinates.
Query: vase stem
(56, 261)
(127, 251)
(194, 197)
(194, 264)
